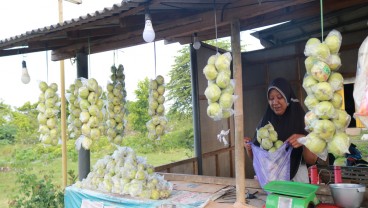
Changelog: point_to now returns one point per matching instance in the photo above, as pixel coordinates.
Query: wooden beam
(194, 1)
(69, 52)
(250, 183)
(229, 14)
(199, 179)
(238, 116)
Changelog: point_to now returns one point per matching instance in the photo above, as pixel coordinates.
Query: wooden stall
(286, 61)
(121, 26)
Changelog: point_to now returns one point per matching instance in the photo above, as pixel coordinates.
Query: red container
(314, 174)
(325, 205)
(337, 173)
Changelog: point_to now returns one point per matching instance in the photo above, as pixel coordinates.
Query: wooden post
(84, 156)
(238, 116)
(63, 109)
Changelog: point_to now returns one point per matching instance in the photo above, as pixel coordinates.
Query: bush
(140, 143)
(24, 156)
(36, 192)
(183, 138)
(102, 147)
(7, 134)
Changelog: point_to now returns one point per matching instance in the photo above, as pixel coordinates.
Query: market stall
(117, 27)
(190, 191)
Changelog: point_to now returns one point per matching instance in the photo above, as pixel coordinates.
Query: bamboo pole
(63, 109)
(238, 116)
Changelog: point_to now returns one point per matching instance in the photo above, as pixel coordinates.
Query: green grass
(54, 166)
(160, 158)
(361, 144)
(7, 181)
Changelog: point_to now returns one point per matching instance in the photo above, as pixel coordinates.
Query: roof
(122, 24)
(346, 20)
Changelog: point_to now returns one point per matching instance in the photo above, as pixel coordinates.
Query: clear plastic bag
(315, 144)
(360, 93)
(270, 166)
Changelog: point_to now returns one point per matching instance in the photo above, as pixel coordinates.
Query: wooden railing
(193, 162)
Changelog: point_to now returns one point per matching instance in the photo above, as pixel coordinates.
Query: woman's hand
(293, 140)
(247, 145)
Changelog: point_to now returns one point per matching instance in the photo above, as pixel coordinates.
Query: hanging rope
(154, 48)
(214, 10)
(117, 57)
(114, 58)
(321, 5)
(47, 68)
(89, 58)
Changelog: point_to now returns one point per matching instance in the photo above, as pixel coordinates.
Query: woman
(286, 115)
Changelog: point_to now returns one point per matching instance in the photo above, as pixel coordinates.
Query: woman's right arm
(248, 147)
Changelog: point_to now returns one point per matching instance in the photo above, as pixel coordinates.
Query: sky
(20, 16)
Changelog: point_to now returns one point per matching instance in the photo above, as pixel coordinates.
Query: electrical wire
(89, 58)
(214, 10)
(113, 61)
(154, 53)
(47, 68)
(321, 5)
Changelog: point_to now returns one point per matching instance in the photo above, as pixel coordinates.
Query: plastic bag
(270, 166)
(333, 41)
(360, 93)
(315, 144)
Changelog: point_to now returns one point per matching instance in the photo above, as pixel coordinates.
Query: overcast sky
(19, 16)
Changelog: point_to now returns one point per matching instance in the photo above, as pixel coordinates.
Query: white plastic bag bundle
(360, 93)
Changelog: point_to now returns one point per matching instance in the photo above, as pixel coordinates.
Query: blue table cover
(83, 198)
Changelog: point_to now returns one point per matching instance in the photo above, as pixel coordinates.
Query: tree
(19, 123)
(5, 113)
(23, 118)
(138, 110)
(180, 87)
(7, 131)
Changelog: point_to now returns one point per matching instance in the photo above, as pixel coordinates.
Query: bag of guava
(271, 166)
(360, 92)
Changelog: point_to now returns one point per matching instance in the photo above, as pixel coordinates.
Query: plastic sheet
(84, 198)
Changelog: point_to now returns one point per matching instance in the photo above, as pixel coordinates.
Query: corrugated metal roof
(90, 17)
(122, 24)
(345, 21)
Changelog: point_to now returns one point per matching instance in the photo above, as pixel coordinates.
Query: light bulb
(196, 43)
(148, 32)
(25, 76)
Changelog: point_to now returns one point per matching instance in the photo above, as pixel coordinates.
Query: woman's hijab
(291, 122)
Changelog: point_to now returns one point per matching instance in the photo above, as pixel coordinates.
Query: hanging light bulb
(196, 43)
(25, 76)
(148, 32)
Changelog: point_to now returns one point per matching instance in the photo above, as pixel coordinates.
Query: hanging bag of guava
(116, 100)
(73, 121)
(220, 89)
(91, 115)
(325, 120)
(157, 125)
(48, 109)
